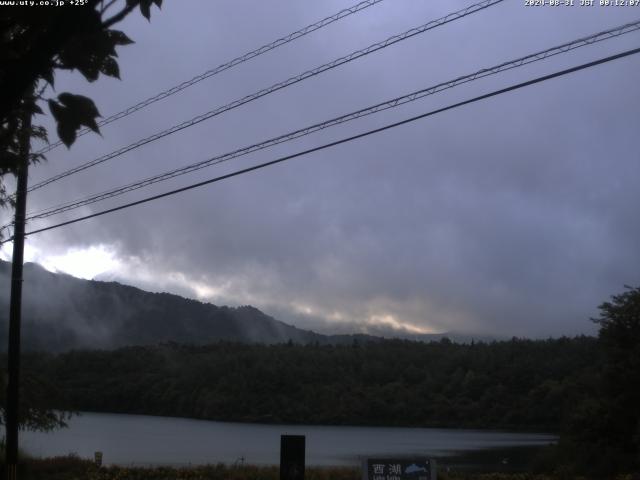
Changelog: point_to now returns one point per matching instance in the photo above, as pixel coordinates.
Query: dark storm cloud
(514, 216)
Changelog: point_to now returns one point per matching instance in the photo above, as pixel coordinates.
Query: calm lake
(145, 440)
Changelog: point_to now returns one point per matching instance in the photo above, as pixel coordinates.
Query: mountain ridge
(62, 312)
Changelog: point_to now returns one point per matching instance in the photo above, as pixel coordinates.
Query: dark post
(292, 457)
(15, 307)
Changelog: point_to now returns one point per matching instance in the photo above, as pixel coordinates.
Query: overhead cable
(341, 141)
(226, 66)
(278, 86)
(392, 103)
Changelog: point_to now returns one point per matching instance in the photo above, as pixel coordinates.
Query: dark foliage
(34, 43)
(519, 383)
(604, 429)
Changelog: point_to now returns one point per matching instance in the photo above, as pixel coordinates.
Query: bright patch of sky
(86, 263)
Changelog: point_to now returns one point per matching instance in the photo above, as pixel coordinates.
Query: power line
(531, 58)
(225, 66)
(341, 141)
(278, 86)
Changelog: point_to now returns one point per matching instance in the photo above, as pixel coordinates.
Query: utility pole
(15, 309)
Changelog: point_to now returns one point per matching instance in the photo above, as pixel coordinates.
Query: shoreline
(504, 429)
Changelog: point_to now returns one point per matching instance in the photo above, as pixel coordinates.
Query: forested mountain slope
(61, 312)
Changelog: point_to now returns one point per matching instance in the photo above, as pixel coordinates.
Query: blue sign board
(399, 469)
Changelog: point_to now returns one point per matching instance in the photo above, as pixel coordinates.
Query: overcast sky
(513, 216)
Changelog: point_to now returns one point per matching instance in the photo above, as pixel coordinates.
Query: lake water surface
(145, 440)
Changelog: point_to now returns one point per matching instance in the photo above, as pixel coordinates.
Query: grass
(74, 468)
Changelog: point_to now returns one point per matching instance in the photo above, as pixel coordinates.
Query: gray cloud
(515, 216)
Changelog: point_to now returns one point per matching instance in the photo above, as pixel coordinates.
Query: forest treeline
(523, 384)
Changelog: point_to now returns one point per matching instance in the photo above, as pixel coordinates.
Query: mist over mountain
(61, 312)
